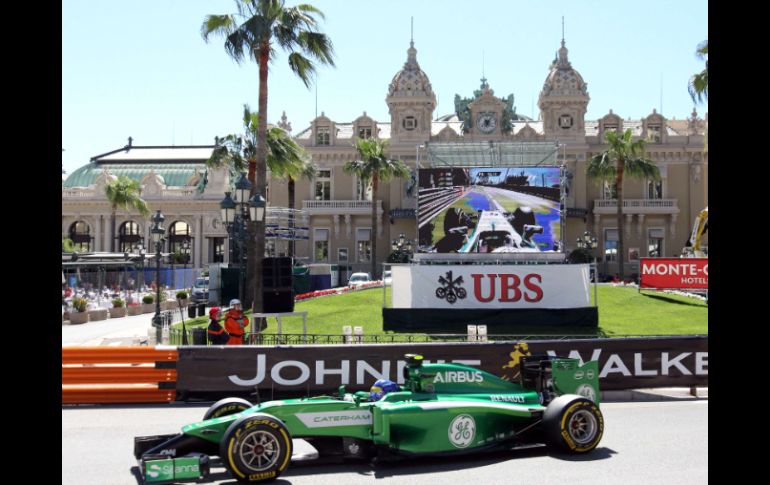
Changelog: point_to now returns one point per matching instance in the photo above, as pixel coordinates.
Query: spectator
(235, 323)
(217, 334)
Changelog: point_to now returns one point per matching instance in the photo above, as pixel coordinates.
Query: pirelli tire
(256, 448)
(226, 407)
(572, 424)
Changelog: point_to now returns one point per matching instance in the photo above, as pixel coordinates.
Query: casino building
(659, 215)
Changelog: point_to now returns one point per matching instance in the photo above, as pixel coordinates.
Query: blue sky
(141, 68)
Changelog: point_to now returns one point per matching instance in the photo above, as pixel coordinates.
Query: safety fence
(198, 336)
(117, 374)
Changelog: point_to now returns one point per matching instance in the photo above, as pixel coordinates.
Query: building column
(206, 241)
(106, 236)
(629, 220)
(97, 232)
(672, 226)
(198, 240)
(641, 223)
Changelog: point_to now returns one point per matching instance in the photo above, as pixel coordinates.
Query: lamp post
(158, 233)
(139, 248)
(236, 213)
(186, 252)
(589, 242)
(402, 247)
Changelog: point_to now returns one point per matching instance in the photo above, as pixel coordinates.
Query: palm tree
(373, 167)
(285, 157)
(251, 33)
(622, 157)
(126, 193)
(699, 83)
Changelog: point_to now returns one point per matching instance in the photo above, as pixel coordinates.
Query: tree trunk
(261, 169)
(374, 226)
(291, 216)
(113, 235)
(621, 222)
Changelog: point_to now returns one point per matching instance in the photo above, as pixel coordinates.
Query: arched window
(80, 234)
(128, 236)
(179, 232)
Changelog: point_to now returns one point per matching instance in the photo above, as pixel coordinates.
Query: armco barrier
(115, 374)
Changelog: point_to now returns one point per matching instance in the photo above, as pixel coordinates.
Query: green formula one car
(441, 409)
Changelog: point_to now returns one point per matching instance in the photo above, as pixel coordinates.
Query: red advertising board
(675, 273)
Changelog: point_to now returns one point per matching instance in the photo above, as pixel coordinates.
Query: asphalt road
(115, 331)
(643, 443)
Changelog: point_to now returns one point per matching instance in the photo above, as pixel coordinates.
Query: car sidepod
(451, 426)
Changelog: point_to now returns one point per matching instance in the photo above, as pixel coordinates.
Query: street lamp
(139, 248)
(186, 250)
(402, 247)
(589, 242)
(236, 213)
(157, 232)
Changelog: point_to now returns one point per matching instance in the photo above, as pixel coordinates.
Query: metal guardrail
(175, 338)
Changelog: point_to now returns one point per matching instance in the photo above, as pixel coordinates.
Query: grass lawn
(626, 311)
(622, 311)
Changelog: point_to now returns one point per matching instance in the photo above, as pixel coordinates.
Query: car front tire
(256, 448)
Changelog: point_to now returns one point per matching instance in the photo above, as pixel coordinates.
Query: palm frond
(317, 45)
(302, 67)
(221, 25)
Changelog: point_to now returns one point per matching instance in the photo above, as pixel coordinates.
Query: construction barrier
(118, 374)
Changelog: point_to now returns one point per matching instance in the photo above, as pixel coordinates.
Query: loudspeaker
(277, 274)
(278, 301)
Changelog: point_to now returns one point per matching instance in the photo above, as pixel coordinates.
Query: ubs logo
(450, 288)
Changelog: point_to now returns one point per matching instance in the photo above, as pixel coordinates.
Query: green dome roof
(174, 174)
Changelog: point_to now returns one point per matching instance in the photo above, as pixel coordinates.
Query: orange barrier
(118, 374)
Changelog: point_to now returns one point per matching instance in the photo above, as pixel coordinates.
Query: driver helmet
(380, 388)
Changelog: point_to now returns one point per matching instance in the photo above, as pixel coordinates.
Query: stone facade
(659, 216)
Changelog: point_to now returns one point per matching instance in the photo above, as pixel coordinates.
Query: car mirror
(341, 392)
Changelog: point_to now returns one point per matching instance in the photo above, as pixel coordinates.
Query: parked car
(358, 279)
(200, 291)
(387, 278)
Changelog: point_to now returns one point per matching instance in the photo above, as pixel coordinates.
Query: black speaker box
(277, 274)
(278, 301)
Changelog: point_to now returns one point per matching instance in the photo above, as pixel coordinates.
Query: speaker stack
(277, 293)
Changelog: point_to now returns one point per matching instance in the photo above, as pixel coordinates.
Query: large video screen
(489, 210)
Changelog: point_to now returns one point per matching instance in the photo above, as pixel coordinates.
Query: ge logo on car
(462, 430)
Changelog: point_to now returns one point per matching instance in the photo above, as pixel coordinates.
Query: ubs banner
(487, 287)
(623, 363)
(674, 273)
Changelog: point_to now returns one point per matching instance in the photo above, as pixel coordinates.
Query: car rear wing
(553, 376)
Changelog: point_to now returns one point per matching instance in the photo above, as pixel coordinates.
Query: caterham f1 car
(441, 409)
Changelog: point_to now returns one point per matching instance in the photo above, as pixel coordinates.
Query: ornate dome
(411, 80)
(563, 80)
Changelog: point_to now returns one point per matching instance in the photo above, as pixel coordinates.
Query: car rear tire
(573, 424)
(256, 448)
(226, 407)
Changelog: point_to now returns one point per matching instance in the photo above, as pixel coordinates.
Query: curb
(659, 394)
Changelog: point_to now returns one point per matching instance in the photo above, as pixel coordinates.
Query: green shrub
(181, 295)
(80, 304)
(148, 299)
(118, 302)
